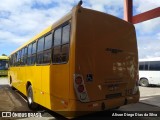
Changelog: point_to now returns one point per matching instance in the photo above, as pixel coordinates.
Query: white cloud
(12, 38)
(109, 6)
(98, 7)
(148, 32)
(20, 20)
(149, 26)
(25, 20)
(13, 5)
(158, 36)
(118, 3)
(145, 5)
(148, 45)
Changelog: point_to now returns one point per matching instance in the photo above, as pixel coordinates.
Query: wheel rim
(143, 82)
(30, 95)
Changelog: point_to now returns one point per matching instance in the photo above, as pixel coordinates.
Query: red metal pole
(146, 15)
(128, 10)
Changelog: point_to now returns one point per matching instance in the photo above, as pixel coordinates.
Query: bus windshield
(3, 64)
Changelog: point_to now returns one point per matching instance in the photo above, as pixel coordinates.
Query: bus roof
(3, 57)
(150, 59)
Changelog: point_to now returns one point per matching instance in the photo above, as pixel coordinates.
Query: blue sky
(20, 20)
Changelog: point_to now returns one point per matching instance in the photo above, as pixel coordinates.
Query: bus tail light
(78, 80)
(80, 88)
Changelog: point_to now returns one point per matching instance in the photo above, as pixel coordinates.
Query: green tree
(4, 55)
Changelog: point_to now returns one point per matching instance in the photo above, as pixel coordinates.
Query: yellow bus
(86, 61)
(3, 65)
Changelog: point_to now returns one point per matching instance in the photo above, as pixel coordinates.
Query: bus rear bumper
(78, 108)
(132, 99)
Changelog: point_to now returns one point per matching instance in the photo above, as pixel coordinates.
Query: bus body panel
(21, 77)
(13, 75)
(153, 77)
(35, 77)
(59, 86)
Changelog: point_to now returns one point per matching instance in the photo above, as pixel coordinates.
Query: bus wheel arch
(31, 104)
(27, 85)
(144, 82)
(10, 82)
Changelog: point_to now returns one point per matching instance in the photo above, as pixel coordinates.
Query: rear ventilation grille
(110, 96)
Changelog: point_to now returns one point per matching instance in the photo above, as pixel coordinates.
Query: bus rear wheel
(10, 81)
(144, 82)
(31, 104)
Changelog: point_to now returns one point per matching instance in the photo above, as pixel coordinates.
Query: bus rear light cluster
(80, 88)
(78, 80)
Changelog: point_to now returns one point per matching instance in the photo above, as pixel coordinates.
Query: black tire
(13, 88)
(31, 104)
(144, 82)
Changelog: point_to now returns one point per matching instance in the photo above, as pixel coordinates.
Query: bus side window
(65, 52)
(10, 61)
(56, 56)
(141, 65)
(18, 58)
(57, 37)
(14, 59)
(65, 34)
(40, 47)
(57, 46)
(65, 42)
(22, 57)
(61, 44)
(25, 55)
(154, 65)
(47, 48)
(146, 66)
(33, 56)
(29, 54)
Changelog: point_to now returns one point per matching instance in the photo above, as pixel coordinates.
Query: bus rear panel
(106, 60)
